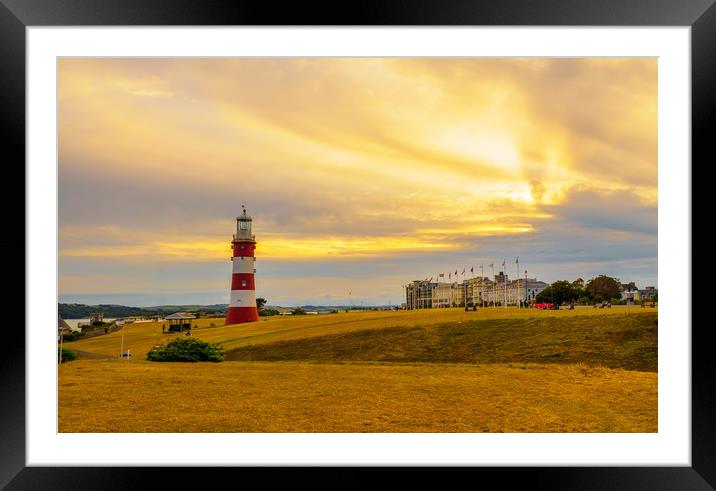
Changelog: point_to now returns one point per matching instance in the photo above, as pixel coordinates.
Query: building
(477, 292)
(448, 295)
(503, 291)
(419, 294)
(242, 303)
(179, 321)
(629, 292)
(648, 293)
(62, 326)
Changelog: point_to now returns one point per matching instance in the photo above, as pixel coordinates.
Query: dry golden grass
(347, 382)
(140, 338)
(141, 396)
(615, 341)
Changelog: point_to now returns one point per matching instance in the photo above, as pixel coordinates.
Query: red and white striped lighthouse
(242, 304)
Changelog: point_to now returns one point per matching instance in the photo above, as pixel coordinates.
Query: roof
(62, 326)
(179, 316)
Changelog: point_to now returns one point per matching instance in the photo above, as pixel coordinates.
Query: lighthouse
(242, 303)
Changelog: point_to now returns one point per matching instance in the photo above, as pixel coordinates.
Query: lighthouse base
(239, 315)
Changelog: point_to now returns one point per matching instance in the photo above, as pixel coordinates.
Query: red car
(543, 306)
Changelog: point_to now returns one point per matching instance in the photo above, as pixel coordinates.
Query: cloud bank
(361, 174)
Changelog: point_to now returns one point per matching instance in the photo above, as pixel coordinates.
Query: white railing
(253, 237)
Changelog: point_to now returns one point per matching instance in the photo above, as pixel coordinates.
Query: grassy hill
(625, 341)
(140, 338)
(447, 370)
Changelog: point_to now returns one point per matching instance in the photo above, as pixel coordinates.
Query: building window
(243, 282)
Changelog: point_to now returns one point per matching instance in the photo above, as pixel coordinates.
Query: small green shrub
(66, 355)
(186, 349)
(71, 336)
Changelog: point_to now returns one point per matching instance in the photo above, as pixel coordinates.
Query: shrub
(71, 336)
(65, 354)
(186, 349)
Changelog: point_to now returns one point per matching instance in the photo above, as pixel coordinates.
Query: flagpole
(494, 285)
(504, 281)
(472, 277)
(519, 299)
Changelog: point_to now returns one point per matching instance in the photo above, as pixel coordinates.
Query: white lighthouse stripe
(242, 298)
(245, 265)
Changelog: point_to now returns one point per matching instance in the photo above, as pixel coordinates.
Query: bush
(65, 354)
(298, 311)
(186, 349)
(71, 336)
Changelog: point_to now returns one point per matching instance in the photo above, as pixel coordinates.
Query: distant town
(523, 292)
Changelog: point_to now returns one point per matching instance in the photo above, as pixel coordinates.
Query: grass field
(495, 370)
(627, 342)
(141, 337)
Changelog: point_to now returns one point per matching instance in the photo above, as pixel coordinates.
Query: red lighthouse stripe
(238, 315)
(245, 249)
(243, 281)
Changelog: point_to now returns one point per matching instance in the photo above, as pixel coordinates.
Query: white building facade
(473, 292)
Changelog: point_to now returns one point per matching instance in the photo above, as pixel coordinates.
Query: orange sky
(361, 174)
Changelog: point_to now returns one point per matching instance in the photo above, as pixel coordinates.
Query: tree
(558, 292)
(603, 287)
(298, 311)
(260, 302)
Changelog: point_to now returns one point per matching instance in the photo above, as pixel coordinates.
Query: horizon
(361, 174)
(70, 299)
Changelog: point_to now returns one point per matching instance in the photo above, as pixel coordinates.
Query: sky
(361, 174)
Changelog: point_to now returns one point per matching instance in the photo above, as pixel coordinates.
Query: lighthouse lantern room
(242, 303)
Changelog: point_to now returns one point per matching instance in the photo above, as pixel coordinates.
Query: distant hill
(82, 311)
(187, 308)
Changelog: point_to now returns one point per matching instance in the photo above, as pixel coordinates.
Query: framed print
(425, 236)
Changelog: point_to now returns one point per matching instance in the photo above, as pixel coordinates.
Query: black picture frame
(700, 15)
